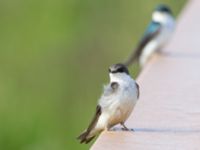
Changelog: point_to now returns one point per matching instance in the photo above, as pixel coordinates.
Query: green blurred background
(54, 56)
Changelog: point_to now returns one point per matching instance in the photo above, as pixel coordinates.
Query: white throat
(119, 77)
(160, 17)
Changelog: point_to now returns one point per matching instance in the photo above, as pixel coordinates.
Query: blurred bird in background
(116, 103)
(156, 35)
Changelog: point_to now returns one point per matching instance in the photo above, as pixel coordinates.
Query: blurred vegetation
(54, 56)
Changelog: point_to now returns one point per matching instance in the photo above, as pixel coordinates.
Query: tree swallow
(156, 35)
(116, 103)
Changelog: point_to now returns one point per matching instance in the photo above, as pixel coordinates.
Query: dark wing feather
(84, 137)
(138, 90)
(152, 31)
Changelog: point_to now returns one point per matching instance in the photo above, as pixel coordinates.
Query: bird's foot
(125, 128)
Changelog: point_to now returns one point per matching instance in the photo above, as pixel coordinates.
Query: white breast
(118, 106)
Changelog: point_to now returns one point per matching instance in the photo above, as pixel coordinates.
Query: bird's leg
(124, 127)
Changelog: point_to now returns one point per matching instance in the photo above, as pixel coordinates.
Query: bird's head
(163, 9)
(118, 72)
(161, 13)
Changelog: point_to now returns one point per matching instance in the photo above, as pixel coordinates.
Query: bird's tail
(85, 137)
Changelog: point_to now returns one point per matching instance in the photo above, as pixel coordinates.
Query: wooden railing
(167, 115)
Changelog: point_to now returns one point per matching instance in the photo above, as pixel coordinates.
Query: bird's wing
(85, 136)
(152, 31)
(95, 118)
(138, 89)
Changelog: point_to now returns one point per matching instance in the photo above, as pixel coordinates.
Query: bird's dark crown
(118, 68)
(163, 8)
